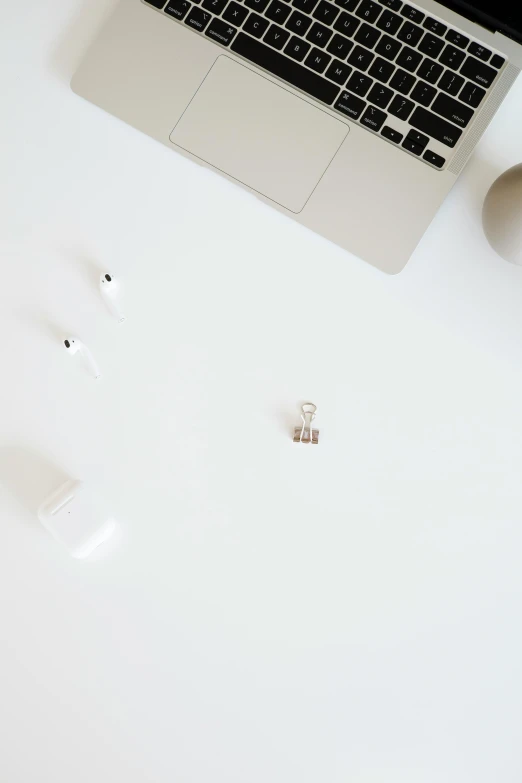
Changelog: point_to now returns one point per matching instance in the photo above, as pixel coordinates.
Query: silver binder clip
(305, 433)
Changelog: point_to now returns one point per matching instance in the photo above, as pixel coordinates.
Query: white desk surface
(347, 613)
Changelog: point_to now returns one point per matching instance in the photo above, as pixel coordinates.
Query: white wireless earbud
(110, 291)
(75, 346)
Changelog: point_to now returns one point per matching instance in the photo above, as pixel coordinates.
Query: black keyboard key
(453, 110)
(471, 94)
(452, 57)
(389, 22)
(338, 72)
(359, 83)
(319, 34)
(418, 138)
(402, 82)
(435, 126)
(298, 23)
(156, 3)
(285, 69)
(277, 11)
(305, 5)
(380, 95)
(434, 159)
(434, 26)
(177, 8)
(395, 5)
(412, 146)
(457, 38)
(369, 11)
(373, 118)
(431, 45)
(220, 31)
(409, 59)
(347, 24)
(451, 82)
(423, 93)
(317, 60)
(382, 70)
(401, 107)
(367, 36)
(340, 46)
(388, 47)
(410, 33)
(360, 58)
(198, 19)
(256, 25)
(348, 5)
(235, 13)
(412, 13)
(479, 51)
(430, 71)
(350, 105)
(215, 6)
(297, 49)
(391, 134)
(276, 36)
(478, 72)
(326, 12)
(257, 5)
(497, 61)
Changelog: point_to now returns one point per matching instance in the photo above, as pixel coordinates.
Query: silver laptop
(353, 117)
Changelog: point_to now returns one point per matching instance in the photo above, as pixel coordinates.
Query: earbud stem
(89, 362)
(114, 309)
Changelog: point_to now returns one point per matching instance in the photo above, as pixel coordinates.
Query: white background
(347, 613)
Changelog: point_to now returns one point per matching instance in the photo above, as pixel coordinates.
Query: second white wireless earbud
(75, 346)
(111, 294)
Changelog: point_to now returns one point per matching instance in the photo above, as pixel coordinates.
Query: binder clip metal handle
(305, 433)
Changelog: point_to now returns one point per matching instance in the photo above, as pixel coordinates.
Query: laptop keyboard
(385, 65)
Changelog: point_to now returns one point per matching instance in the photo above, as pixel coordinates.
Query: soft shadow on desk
(46, 326)
(78, 36)
(91, 269)
(29, 476)
(289, 418)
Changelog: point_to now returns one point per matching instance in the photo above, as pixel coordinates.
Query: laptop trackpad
(259, 133)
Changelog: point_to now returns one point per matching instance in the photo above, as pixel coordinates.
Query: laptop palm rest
(260, 134)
